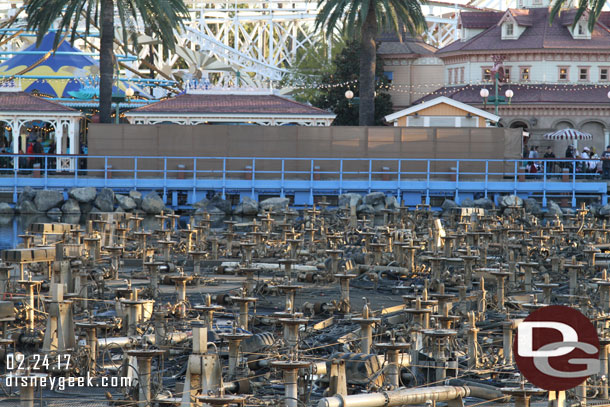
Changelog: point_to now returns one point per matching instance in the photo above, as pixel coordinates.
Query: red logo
(556, 348)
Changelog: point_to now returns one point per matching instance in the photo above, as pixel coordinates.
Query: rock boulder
(448, 205)
(511, 200)
(532, 206)
(374, 198)
(126, 203)
(350, 199)
(153, 204)
(5, 209)
(83, 195)
(484, 203)
(247, 207)
(27, 194)
(71, 206)
(105, 200)
(26, 207)
(136, 196)
(365, 209)
(274, 204)
(553, 209)
(47, 199)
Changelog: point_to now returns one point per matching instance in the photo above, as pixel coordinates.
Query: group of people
(35, 147)
(586, 161)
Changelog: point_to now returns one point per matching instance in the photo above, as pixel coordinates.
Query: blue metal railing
(305, 175)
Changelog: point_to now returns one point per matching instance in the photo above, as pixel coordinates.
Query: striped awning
(568, 134)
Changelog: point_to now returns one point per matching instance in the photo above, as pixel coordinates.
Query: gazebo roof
(67, 61)
(22, 102)
(231, 104)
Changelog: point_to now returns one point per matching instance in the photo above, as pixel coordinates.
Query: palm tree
(594, 7)
(363, 18)
(160, 17)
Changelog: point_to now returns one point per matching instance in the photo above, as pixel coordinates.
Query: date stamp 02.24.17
(33, 371)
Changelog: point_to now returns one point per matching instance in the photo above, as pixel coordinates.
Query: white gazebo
(17, 109)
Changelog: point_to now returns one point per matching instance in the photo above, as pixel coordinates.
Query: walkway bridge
(183, 181)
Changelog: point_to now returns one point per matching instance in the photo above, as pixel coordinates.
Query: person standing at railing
(549, 155)
(23, 162)
(595, 163)
(30, 151)
(38, 149)
(570, 154)
(606, 163)
(51, 160)
(585, 156)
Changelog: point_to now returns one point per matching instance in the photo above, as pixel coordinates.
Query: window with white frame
(603, 74)
(524, 74)
(486, 74)
(563, 73)
(583, 73)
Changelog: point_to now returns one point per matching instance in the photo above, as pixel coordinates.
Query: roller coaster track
(261, 38)
(232, 56)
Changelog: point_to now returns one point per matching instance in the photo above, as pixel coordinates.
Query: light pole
(498, 100)
(349, 95)
(129, 92)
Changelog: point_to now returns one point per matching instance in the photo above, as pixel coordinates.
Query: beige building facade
(411, 68)
(559, 74)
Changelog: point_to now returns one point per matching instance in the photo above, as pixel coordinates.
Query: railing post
(515, 170)
(370, 173)
(224, 176)
(194, 198)
(75, 168)
(135, 173)
(165, 180)
(252, 195)
(457, 182)
(544, 164)
(46, 172)
(106, 171)
(428, 182)
(398, 178)
(282, 179)
(574, 184)
(311, 168)
(486, 177)
(15, 170)
(341, 176)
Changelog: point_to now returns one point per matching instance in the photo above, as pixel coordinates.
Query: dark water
(13, 226)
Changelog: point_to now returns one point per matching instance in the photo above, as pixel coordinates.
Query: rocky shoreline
(90, 200)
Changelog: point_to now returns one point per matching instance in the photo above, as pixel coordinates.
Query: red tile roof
(540, 35)
(231, 103)
(401, 42)
(25, 102)
(407, 47)
(528, 94)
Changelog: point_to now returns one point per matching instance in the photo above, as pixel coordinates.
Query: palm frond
(390, 15)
